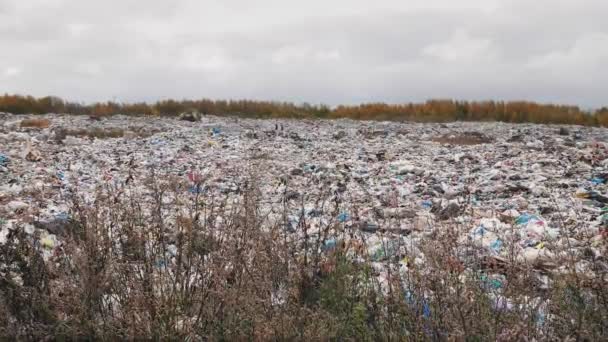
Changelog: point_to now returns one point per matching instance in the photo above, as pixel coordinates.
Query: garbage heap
(534, 194)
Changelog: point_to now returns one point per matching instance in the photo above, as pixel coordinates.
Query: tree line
(429, 111)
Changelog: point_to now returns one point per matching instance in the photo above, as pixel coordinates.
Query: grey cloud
(343, 52)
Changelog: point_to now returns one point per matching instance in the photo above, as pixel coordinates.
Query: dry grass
(35, 123)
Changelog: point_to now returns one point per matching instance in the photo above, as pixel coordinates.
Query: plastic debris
(343, 217)
(427, 204)
(523, 189)
(4, 160)
(329, 245)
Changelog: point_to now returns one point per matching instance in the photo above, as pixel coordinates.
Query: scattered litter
(522, 189)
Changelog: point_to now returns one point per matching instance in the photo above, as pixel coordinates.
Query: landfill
(522, 191)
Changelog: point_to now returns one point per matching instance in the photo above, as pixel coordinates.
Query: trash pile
(532, 193)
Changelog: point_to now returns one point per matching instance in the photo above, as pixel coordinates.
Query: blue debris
(310, 168)
(343, 217)
(496, 284)
(491, 283)
(410, 298)
(541, 318)
(196, 189)
(427, 204)
(329, 245)
(525, 218)
(496, 246)
(62, 216)
(481, 230)
(598, 180)
(426, 309)
(529, 243)
(4, 160)
(215, 131)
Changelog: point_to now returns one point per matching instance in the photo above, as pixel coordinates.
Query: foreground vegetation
(167, 263)
(430, 111)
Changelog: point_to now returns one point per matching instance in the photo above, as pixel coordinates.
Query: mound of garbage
(532, 194)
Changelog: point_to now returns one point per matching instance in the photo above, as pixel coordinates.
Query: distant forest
(429, 111)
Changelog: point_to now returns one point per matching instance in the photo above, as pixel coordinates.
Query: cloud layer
(340, 51)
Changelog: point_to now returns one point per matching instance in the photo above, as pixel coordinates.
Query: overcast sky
(318, 51)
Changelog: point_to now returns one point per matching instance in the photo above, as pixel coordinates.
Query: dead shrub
(35, 123)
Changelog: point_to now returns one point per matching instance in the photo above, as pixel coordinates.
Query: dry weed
(35, 123)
